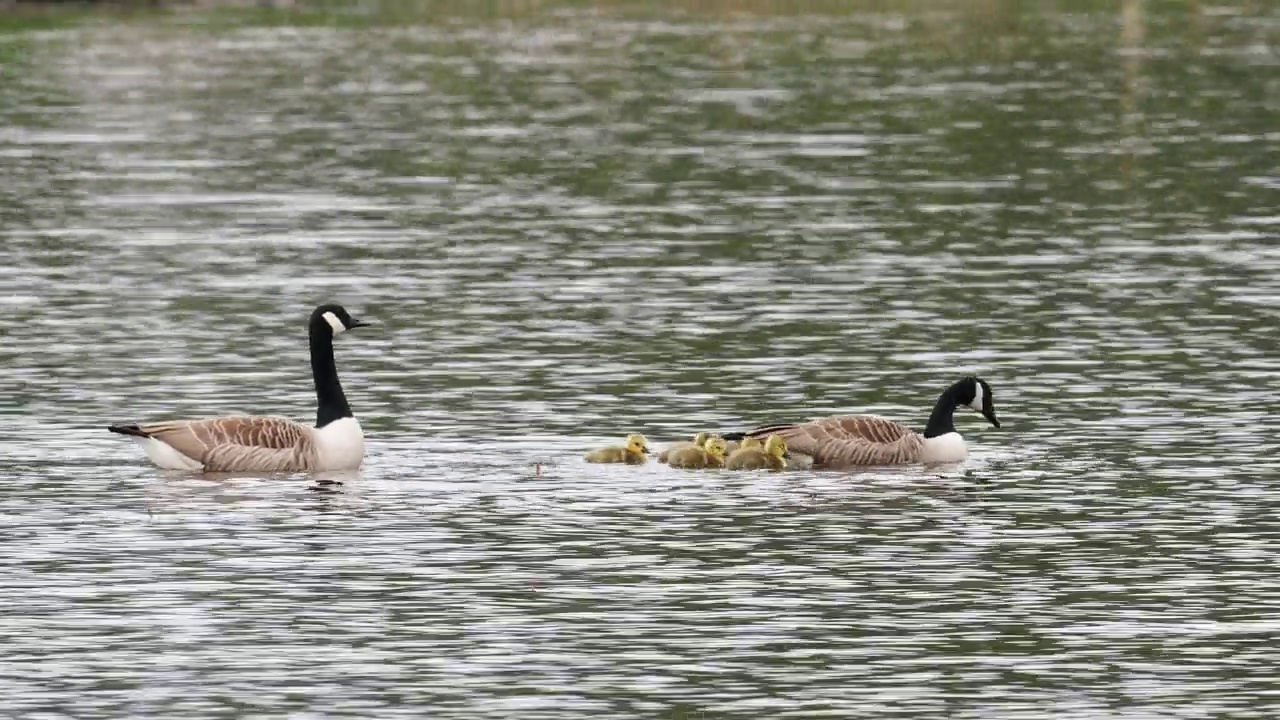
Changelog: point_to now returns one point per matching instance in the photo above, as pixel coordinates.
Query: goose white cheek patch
(976, 403)
(335, 323)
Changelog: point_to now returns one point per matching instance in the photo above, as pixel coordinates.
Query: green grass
(933, 16)
(35, 17)
(28, 19)
(360, 13)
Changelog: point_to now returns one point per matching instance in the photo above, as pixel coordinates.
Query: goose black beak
(990, 415)
(358, 323)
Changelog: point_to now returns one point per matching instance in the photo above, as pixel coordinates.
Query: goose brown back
(850, 440)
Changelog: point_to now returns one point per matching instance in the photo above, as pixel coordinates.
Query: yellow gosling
(698, 441)
(716, 453)
(710, 455)
(770, 457)
(635, 452)
(750, 442)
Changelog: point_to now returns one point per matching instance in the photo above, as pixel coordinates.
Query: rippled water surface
(570, 225)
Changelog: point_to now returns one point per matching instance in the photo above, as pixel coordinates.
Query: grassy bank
(31, 17)
(15, 16)
(959, 24)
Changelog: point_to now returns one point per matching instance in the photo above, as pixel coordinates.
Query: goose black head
(974, 392)
(335, 317)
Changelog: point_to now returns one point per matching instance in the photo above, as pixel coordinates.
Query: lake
(571, 221)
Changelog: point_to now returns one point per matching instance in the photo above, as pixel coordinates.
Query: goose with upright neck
(264, 443)
(846, 441)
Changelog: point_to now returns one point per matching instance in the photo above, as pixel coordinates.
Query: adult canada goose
(770, 457)
(259, 443)
(633, 453)
(845, 441)
(699, 440)
(695, 457)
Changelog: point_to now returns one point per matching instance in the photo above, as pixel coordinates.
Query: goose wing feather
(253, 443)
(244, 458)
(849, 440)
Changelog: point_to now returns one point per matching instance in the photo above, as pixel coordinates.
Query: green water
(576, 221)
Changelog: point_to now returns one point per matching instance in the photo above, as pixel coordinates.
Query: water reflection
(580, 225)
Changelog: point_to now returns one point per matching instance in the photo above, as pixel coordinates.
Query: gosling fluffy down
(770, 457)
(699, 440)
(634, 452)
(733, 446)
(710, 455)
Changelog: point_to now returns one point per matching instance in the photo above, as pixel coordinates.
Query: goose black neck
(330, 400)
(942, 421)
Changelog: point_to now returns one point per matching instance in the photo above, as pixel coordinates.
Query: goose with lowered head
(262, 443)
(845, 441)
